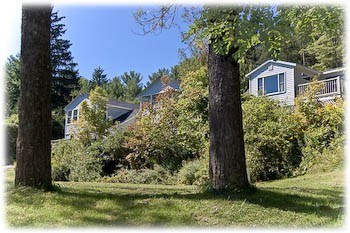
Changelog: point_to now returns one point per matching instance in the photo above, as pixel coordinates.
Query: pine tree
(65, 77)
(132, 84)
(98, 78)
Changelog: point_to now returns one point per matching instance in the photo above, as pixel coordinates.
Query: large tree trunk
(227, 168)
(33, 166)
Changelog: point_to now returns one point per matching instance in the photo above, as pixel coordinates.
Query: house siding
(288, 96)
(68, 127)
(298, 80)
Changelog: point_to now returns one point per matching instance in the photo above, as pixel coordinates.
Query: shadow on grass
(129, 205)
(133, 206)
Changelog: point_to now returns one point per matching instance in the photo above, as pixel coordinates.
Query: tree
(231, 33)
(65, 77)
(98, 78)
(158, 74)
(313, 35)
(33, 166)
(132, 84)
(115, 89)
(92, 123)
(12, 77)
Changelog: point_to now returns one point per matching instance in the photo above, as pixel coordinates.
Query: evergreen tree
(12, 84)
(64, 73)
(132, 84)
(158, 74)
(98, 78)
(173, 74)
(115, 89)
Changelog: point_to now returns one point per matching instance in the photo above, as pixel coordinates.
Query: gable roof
(76, 101)
(113, 103)
(157, 86)
(282, 63)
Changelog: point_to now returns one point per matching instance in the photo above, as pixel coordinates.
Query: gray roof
(76, 101)
(292, 64)
(157, 86)
(122, 104)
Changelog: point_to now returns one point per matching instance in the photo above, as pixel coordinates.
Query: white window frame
(77, 111)
(278, 84)
(69, 118)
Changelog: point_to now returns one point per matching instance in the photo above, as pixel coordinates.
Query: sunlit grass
(307, 201)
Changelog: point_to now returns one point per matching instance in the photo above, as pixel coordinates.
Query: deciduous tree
(33, 167)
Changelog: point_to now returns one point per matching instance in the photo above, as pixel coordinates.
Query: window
(69, 117)
(273, 84)
(260, 86)
(75, 114)
(281, 82)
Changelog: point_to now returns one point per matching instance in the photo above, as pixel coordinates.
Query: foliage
(72, 162)
(109, 149)
(271, 138)
(132, 85)
(157, 175)
(315, 34)
(193, 106)
(115, 89)
(12, 84)
(154, 139)
(92, 123)
(98, 78)
(84, 87)
(331, 158)
(65, 76)
(322, 125)
(195, 172)
(11, 125)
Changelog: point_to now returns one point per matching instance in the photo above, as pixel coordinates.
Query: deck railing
(327, 87)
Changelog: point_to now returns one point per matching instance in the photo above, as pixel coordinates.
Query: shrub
(272, 136)
(187, 173)
(158, 175)
(70, 162)
(155, 138)
(330, 159)
(11, 125)
(196, 172)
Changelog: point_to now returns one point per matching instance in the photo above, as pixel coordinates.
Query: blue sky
(105, 36)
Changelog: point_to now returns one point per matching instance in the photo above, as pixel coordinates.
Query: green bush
(188, 171)
(158, 175)
(272, 138)
(11, 125)
(71, 162)
(329, 159)
(196, 172)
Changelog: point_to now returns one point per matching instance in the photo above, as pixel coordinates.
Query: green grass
(307, 201)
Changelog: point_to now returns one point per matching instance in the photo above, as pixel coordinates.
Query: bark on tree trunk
(33, 167)
(227, 165)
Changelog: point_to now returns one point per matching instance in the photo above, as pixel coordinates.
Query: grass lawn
(307, 201)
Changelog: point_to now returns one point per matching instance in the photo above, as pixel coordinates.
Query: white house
(283, 81)
(122, 112)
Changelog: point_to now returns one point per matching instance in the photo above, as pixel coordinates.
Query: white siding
(68, 127)
(288, 96)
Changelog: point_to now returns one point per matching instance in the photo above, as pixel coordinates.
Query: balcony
(327, 88)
